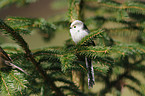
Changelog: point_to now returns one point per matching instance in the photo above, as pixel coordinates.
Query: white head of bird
(78, 30)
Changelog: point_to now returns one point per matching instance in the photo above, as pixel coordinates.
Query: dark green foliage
(25, 26)
(67, 61)
(90, 37)
(117, 28)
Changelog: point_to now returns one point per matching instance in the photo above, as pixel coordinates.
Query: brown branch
(6, 86)
(19, 39)
(92, 51)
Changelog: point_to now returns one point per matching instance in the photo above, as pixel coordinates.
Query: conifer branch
(5, 86)
(135, 90)
(18, 80)
(110, 84)
(30, 56)
(123, 21)
(90, 37)
(127, 6)
(132, 78)
(76, 10)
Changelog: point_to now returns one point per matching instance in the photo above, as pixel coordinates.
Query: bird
(78, 30)
(5, 62)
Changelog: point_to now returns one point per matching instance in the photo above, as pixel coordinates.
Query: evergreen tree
(118, 31)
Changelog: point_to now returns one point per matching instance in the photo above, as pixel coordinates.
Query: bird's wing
(91, 43)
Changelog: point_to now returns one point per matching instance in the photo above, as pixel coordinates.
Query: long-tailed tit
(78, 31)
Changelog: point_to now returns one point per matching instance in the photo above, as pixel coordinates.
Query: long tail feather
(91, 79)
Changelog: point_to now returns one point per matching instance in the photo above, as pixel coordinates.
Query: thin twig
(6, 86)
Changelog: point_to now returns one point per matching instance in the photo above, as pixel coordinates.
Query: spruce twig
(30, 56)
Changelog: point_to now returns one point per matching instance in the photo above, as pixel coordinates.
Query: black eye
(74, 26)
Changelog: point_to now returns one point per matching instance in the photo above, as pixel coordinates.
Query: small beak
(70, 28)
